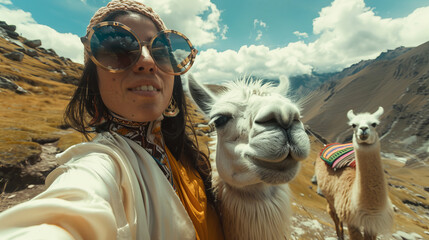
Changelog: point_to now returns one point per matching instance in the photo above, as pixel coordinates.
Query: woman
(141, 177)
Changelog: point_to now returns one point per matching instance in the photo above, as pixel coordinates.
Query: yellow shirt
(190, 189)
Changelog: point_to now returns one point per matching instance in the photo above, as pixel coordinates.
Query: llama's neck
(262, 214)
(370, 190)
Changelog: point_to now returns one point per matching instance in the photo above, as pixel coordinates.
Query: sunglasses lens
(171, 52)
(114, 47)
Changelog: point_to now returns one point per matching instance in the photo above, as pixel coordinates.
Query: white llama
(260, 143)
(358, 196)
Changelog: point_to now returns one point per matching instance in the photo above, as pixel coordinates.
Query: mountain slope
(35, 86)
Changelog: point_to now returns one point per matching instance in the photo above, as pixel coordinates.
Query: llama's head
(364, 126)
(260, 138)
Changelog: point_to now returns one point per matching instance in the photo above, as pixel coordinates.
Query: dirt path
(39, 170)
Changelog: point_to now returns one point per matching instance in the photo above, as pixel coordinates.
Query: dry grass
(26, 119)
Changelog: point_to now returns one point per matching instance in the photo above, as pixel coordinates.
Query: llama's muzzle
(364, 136)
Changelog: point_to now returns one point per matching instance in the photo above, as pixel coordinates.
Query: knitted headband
(124, 5)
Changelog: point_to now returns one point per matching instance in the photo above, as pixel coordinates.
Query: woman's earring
(172, 110)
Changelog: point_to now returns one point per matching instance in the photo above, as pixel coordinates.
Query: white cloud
(64, 44)
(259, 36)
(347, 30)
(223, 33)
(7, 2)
(260, 23)
(213, 66)
(186, 16)
(300, 34)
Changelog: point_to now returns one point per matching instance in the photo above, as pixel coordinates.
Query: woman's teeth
(145, 88)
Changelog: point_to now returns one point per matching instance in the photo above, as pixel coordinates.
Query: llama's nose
(364, 134)
(278, 114)
(364, 129)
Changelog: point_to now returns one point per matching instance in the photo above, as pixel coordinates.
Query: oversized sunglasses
(115, 47)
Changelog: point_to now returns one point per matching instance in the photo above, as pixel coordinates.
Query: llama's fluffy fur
(358, 196)
(259, 146)
(263, 212)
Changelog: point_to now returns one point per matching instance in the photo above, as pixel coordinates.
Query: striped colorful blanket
(337, 155)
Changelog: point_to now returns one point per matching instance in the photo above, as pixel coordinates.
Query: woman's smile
(145, 90)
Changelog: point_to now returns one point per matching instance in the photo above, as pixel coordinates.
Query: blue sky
(265, 38)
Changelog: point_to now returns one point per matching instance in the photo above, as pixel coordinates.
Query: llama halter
(337, 155)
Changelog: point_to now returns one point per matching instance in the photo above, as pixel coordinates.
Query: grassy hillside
(33, 116)
(26, 119)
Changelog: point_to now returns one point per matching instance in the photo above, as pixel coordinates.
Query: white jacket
(110, 188)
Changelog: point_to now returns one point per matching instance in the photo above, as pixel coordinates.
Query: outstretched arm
(83, 201)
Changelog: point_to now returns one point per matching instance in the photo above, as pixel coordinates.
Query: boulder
(33, 43)
(15, 56)
(12, 34)
(8, 27)
(8, 84)
(32, 53)
(52, 52)
(56, 61)
(3, 33)
(23, 50)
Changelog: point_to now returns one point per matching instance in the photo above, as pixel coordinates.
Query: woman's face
(142, 92)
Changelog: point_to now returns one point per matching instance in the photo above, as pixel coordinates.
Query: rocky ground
(35, 175)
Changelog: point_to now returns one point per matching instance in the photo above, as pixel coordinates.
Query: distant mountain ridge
(301, 85)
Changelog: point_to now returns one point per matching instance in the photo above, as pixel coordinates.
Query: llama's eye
(374, 125)
(220, 120)
(353, 125)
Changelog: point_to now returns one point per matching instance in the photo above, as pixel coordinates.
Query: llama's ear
(379, 112)
(350, 115)
(203, 97)
(284, 83)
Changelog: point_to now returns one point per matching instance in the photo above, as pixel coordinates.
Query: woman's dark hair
(86, 109)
